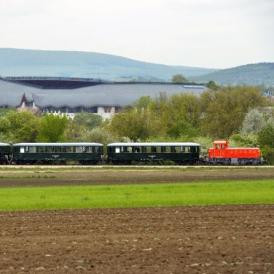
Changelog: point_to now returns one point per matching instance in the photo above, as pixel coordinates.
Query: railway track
(130, 167)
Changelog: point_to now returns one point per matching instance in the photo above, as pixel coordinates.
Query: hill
(251, 74)
(20, 62)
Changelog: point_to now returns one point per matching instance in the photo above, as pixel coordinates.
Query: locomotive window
(117, 150)
(22, 150)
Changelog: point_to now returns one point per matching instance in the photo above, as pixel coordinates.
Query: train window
(69, 149)
(90, 149)
(80, 149)
(57, 149)
(144, 149)
(187, 149)
(32, 150)
(158, 149)
(136, 149)
(22, 150)
(172, 149)
(163, 149)
(153, 149)
(124, 149)
(117, 150)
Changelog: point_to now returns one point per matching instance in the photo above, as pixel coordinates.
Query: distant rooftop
(73, 83)
(100, 94)
(54, 82)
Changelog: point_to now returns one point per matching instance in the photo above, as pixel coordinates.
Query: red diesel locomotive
(222, 154)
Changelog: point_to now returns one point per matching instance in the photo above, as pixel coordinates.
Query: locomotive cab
(220, 144)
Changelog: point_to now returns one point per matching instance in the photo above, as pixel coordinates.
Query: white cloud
(212, 33)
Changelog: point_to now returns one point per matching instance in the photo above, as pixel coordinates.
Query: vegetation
(221, 193)
(52, 128)
(178, 79)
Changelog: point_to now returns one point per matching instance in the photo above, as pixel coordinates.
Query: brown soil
(227, 239)
(47, 177)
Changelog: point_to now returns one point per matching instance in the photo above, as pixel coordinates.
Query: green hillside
(19, 62)
(251, 74)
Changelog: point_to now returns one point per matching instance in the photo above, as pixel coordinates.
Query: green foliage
(266, 141)
(212, 85)
(52, 128)
(224, 110)
(183, 115)
(98, 135)
(253, 122)
(178, 79)
(244, 140)
(165, 117)
(19, 127)
(137, 124)
(88, 120)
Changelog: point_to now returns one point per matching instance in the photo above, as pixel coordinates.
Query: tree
(223, 110)
(52, 128)
(266, 141)
(182, 115)
(19, 127)
(254, 121)
(212, 85)
(88, 120)
(179, 79)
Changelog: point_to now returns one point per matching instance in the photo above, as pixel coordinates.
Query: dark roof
(107, 94)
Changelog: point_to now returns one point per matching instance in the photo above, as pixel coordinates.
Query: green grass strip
(145, 195)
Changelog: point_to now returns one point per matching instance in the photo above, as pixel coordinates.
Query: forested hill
(19, 62)
(252, 74)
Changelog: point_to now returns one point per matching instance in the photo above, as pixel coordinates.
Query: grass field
(141, 195)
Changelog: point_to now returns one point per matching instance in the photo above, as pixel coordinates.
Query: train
(85, 153)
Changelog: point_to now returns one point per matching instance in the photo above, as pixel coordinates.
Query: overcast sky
(206, 33)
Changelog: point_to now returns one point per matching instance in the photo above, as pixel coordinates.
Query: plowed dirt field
(223, 239)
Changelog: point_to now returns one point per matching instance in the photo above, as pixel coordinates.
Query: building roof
(105, 94)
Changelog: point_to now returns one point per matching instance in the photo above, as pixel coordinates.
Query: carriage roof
(157, 144)
(57, 144)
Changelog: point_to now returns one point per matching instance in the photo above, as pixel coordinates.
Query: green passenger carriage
(4, 153)
(83, 153)
(178, 152)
